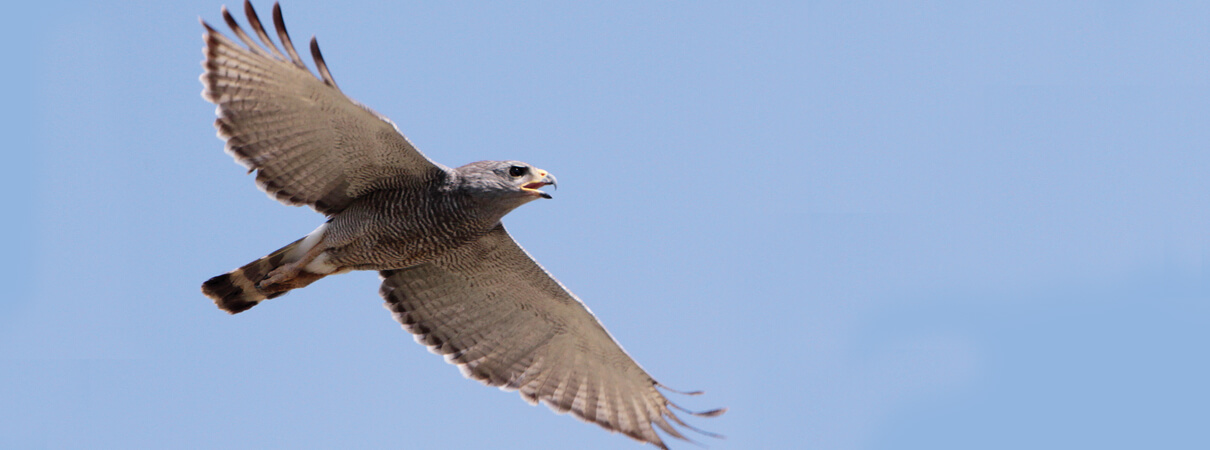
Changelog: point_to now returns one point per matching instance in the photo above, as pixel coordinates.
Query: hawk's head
(510, 183)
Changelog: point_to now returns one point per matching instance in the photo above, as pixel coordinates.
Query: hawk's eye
(517, 171)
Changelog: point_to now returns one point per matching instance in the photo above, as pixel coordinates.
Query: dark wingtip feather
(239, 31)
(254, 22)
(711, 413)
(280, 24)
(682, 423)
(708, 413)
(227, 17)
(666, 388)
(321, 65)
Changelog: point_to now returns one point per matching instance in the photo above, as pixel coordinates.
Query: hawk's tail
(236, 291)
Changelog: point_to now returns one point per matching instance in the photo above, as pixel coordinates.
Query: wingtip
(690, 393)
(321, 65)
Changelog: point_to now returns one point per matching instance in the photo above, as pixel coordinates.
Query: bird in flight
(451, 274)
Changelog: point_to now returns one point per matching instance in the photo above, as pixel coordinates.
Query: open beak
(544, 179)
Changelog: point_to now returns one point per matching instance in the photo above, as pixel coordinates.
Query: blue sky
(857, 225)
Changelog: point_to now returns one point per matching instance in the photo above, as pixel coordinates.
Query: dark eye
(517, 171)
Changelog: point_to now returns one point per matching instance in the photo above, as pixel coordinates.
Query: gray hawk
(452, 275)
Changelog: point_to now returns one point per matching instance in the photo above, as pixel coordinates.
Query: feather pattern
(502, 319)
(307, 141)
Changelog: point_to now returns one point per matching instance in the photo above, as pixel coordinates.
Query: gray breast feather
(307, 141)
(494, 312)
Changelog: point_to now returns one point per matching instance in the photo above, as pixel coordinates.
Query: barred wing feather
(503, 320)
(308, 142)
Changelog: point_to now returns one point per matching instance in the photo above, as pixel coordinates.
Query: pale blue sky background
(857, 225)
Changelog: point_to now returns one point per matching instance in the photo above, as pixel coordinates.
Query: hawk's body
(380, 230)
(451, 274)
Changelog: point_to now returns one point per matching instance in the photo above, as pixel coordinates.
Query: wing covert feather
(503, 320)
(307, 141)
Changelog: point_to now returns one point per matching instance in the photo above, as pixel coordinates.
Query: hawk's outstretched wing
(308, 142)
(494, 312)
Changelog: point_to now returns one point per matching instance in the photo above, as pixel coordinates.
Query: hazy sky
(857, 225)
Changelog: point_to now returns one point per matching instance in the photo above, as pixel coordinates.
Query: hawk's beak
(545, 179)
